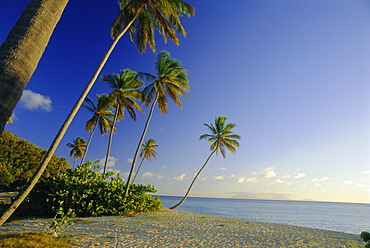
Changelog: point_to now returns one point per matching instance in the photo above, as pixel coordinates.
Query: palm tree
(165, 14)
(221, 137)
(125, 87)
(171, 81)
(22, 50)
(78, 149)
(147, 152)
(102, 117)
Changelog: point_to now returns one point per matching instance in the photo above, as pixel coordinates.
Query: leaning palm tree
(147, 152)
(126, 89)
(22, 49)
(78, 149)
(171, 80)
(164, 15)
(221, 137)
(102, 117)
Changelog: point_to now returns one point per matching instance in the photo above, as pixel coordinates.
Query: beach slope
(173, 228)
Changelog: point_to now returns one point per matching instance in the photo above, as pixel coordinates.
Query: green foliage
(19, 160)
(366, 237)
(61, 221)
(88, 193)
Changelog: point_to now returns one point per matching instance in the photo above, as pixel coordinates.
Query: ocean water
(341, 217)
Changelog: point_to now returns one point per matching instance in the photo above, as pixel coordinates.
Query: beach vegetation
(170, 81)
(142, 18)
(126, 90)
(147, 152)
(33, 240)
(102, 118)
(365, 236)
(19, 159)
(88, 193)
(222, 138)
(78, 149)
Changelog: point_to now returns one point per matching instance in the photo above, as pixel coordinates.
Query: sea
(341, 217)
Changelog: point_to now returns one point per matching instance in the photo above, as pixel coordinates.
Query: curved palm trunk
(138, 169)
(139, 145)
(20, 197)
(88, 142)
(22, 49)
(110, 140)
(191, 185)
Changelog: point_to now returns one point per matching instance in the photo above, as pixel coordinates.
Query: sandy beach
(173, 228)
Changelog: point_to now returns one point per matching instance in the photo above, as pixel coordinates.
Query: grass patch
(33, 240)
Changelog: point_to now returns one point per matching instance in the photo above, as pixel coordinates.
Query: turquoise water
(341, 217)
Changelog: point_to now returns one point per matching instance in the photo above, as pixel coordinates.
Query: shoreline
(176, 228)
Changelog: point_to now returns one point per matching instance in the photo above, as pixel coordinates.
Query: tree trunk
(21, 196)
(138, 169)
(88, 142)
(110, 139)
(22, 49)
(139, 145)
(191, 185)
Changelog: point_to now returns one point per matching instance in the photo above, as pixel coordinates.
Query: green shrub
(366, 237)
(88, 193)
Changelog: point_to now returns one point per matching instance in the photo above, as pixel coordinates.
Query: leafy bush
(88, 193)
(366, 237)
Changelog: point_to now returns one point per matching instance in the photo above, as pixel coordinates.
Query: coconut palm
(221, 137)
(126, 89)
(102, 117)
(22, 50)
(171, 80)
(165, 15)
(78, 149)
(147, 152)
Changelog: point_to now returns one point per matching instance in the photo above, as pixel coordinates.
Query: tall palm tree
(147, 152)
(126, 89)
(102, 117)
(221, 137)
(164, 14)
(78, 149)
(22, 49)
(171, 80)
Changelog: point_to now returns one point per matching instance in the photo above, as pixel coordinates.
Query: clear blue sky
(293, 75)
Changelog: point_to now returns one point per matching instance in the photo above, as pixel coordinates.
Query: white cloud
(241, 180)
(359, 185)
(348, 182)
(277, 181)
(180, 178)
(267, 173)
(324, 178)
(248, 180)
(129, 160)
(232, 176)
(111, 162)
(34, 101)
(203, 178)
(299, 175)
(365, 172)
(164, 167)
(150, 174)
(223, 168)
(217, 178)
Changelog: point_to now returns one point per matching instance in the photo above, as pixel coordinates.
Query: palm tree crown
(148, 14)
(148, 151)
(126, 89)
(171, 81)
(221, 136)
(78, 148)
